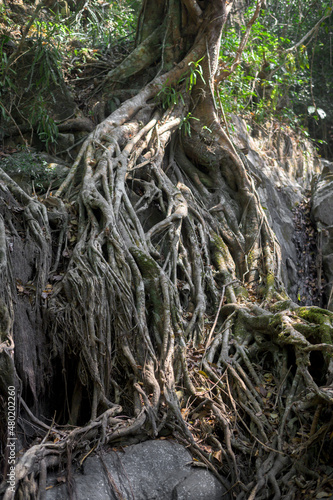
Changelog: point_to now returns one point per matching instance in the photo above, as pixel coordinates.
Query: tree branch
(305, 37)
(225, 73)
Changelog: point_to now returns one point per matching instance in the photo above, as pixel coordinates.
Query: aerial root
(153, 301)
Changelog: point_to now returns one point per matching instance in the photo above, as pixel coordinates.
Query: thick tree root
(141, 307)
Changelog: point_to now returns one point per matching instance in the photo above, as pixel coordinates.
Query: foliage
(43, 74)
(185, 124)
(95, 27)
(6, 81)
(93, 24)
(169, 96)
(274, 80)
(46, 127)
(195, 72)
(27, 163)
(46, 63)
(263, 81)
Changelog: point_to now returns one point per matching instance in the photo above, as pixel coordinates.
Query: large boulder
(322, 215)
(282, 174)
(153, 470)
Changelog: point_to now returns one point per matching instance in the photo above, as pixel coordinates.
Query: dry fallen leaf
(218, 455)
(324, 494)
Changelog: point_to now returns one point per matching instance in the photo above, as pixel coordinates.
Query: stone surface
(281, 178)
(153, 470)
(322, 199)
(322, 215)
(198, 486)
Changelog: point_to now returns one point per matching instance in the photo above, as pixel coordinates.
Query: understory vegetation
(152, 281)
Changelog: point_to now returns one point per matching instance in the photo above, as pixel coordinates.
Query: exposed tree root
(153, 319)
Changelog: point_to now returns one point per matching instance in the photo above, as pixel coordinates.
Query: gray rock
(281, 175)
(153, 470)
(322, 200)
(322, 215)
(199, 486)
(65, 141)
(279, 195)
